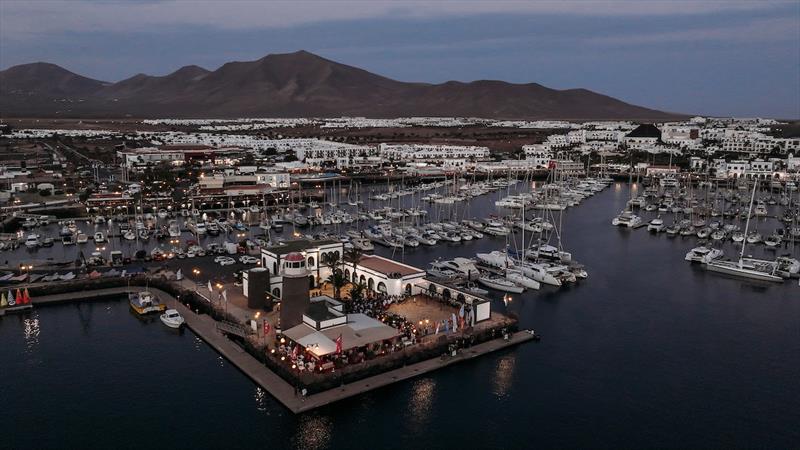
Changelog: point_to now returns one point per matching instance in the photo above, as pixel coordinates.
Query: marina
(583, 318)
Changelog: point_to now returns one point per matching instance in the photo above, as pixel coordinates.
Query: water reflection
(260, 397)
(504, 375)
(31, 329)
(420, 402)
(313, 432)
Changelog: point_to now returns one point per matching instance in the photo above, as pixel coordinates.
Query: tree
(357, 292)
(353, 256)
(337, 280)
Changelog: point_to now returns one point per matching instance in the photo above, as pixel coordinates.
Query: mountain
(297, 84)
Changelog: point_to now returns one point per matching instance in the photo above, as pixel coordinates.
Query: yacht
(656, 225)
(518, 278)
(129, 235)
(172, 318)
(463, 266)
(99, 237)
(32, 241)
(174, 230)
(81, 238)
(538, 272)
(750, 268)
(145, 302)
(627, 219)
(703, 254)
(495, 258)
(500, 284)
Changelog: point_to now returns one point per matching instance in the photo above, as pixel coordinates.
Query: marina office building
(380, 275)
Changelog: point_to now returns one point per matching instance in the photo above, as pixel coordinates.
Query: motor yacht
(172, 318)
(656, 225)
(703, 254)
(627, 219)
(500, 284)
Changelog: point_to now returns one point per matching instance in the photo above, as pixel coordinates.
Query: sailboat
(747, 267)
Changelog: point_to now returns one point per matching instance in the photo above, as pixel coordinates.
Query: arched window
(408, 289)
(371, 284)
(347, 274)
(432, 289)
(310, 261)
(381, 287)
(276, 293)
(362, 280)
(461, 298)
(446, 293)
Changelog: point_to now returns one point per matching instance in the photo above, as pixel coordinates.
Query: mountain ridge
(299, 84)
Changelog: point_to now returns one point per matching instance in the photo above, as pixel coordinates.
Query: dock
(206, 328)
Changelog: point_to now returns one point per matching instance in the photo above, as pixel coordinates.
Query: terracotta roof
(294, 256)
(387, 266)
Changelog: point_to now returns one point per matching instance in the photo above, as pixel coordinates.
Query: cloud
(20, 19)
(759, 30)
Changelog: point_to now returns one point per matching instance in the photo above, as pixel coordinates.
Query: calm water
(648, 352)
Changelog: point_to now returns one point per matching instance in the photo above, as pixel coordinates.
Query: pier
(206, 328)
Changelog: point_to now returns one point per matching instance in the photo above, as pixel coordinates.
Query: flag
(295, 351)
(339, 344)
(210, 289)
(26, 296)
(455, 323)
(461, 311)
(178, 275)
(266, 328)
(225, 295)
(437, 328)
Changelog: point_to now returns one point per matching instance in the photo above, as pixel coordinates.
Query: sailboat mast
(747, 224)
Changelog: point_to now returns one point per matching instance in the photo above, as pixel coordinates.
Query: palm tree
(357, 292)
(337, 280)
(353, 256)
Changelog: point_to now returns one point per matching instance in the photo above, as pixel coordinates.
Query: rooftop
(387, 266)
(298, 245)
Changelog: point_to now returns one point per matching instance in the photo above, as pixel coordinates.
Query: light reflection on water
(31, 329)
(260, 397)
(504, 375)
(313, 432)
(420, 402)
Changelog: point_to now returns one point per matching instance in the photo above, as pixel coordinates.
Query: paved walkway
(205, 327)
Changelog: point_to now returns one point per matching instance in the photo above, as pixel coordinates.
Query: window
(310, 261)
(276, 293)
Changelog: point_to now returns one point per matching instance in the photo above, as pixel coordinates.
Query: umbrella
(3, 301)
(20, 298)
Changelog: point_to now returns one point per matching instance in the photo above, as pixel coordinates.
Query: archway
(408, 289)
(432, 289)
(311, 261)
(381, 287)
(461, 298)
(276, 293)
(311, 282)
(446, 294)
(371, 284)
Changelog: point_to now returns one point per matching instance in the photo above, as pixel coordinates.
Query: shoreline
(205, 328)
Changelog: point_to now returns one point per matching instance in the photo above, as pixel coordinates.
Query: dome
(294, 257)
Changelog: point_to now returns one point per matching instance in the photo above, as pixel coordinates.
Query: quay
(206, 328)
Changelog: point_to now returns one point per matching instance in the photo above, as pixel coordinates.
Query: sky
(723, 58)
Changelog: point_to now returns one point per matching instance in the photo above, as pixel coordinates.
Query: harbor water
(649, 351)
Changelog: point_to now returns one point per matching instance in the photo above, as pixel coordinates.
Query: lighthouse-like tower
(295, 298)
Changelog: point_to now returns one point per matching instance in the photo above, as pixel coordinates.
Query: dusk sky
(715, 58)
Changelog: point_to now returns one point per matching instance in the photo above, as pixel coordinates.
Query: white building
(430, 152)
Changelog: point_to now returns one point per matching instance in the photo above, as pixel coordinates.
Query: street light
(196, 273)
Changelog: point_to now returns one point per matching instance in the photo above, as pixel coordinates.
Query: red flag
(295, 351)
(551, 165)
(266, 328)
(339, 344)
